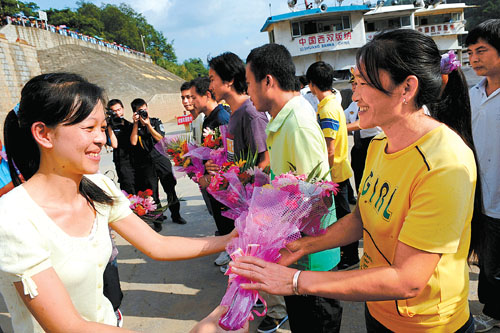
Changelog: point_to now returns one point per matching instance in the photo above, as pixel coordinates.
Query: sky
(201, 28)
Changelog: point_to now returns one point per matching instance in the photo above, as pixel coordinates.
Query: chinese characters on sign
(441, 29)
(324, 40)
(184, 119)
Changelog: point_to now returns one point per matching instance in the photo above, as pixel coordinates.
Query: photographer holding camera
(118, 132)
(150, 165)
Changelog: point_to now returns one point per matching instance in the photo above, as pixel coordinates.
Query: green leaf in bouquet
(315, 172)
(292, 167)
(326, 174)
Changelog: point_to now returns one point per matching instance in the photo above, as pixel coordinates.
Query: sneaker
(224, 268)
(484, 323)
(222, 259)
(269, 325)
(119, 318)
(347, 265)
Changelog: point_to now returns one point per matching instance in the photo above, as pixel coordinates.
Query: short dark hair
(273, 59)
(321, 75)
(186, 85)
(303, 80)
(137, 103)
(230, 67)
(202, 85)
(488, 30)
(114, 102)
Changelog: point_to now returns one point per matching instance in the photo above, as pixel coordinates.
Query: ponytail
(453, 109)
(21, 149)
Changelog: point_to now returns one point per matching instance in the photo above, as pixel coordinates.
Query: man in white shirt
(483, 47)
(198, 117)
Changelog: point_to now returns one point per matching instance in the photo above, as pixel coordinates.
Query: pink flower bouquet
(277, 214)
(234, 188)
(143, 204)
(189, 158)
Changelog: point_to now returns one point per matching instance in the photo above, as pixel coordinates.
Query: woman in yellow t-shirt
(415, 200)
(54, 227)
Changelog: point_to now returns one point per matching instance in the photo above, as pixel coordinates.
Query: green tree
(12, 7)
(195, 67)
(486, 9)
(120, 24)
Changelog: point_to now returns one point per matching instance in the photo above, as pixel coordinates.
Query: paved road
(173, 296)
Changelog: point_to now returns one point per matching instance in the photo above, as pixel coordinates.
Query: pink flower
(149, 204)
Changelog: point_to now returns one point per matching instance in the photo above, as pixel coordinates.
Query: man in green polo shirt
(294, 136)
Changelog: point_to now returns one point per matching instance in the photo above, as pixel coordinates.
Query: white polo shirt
(486, 134)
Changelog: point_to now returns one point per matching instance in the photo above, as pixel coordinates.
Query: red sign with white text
(184, 119)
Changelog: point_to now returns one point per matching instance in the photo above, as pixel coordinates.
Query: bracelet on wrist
(295, 282)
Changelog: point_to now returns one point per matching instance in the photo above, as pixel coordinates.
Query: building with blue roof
(334, 33)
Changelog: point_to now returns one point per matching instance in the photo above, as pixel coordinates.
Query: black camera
(142, 113)
(113, 119)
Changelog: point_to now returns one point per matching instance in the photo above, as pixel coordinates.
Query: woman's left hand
(269, 277)
(210, 324)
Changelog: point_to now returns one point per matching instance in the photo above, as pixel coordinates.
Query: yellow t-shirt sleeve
(439, 209)
(329, 121)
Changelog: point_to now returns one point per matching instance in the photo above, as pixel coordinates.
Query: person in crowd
(306, 92)
(5, 179)
(246, 135)
(118, 132)
(483, 47)
(150, 164)
(198, 117)
(215, 115)
(414, 275)
(362, 137)
(332, 121)
(54, 227)
(294, 137)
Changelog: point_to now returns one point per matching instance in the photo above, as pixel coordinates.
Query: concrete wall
(18, 63)
(44, 39)
(27, 52)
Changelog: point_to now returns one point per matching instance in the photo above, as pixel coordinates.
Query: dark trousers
(313, 314)
(358, 159)
(111, 285)
(147, 176)
(374, 326)
(126, 177)
(350, 251)
(224, 225)
(489, 264)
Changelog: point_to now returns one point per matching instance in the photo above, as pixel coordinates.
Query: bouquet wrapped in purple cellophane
(277, 214)
(234, 188)
(189, 157)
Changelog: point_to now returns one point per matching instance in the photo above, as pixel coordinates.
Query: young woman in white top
(54, 227)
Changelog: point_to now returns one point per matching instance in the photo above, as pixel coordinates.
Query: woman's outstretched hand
(269, 277)
(210, 324)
